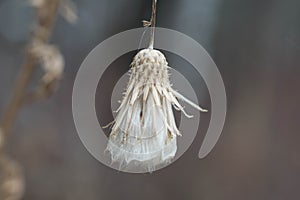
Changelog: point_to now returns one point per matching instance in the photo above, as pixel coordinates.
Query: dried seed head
(51, 59)
(145, 130)
(150, 67)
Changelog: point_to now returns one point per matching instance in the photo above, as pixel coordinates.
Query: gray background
(255, 44)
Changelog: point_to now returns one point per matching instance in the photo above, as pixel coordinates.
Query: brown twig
(46, 18)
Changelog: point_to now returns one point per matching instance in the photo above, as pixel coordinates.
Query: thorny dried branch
(39, 51)
(46, 12)
(50, 58)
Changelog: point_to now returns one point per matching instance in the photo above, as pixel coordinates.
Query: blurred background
(256, 46)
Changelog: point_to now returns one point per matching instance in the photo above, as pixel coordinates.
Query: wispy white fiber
(144, 131)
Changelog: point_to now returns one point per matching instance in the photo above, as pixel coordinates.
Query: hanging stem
(153, 21)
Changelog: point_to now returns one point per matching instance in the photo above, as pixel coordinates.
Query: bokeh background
(255, 44)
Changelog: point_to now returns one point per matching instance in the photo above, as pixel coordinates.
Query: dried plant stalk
(46, 18)
(11, 177)
(39, 51)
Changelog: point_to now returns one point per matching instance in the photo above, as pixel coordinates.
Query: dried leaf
(68, 10)
(51, 59)
(146, 23)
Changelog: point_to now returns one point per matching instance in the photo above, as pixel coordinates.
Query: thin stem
(26, 72)
(153, 21)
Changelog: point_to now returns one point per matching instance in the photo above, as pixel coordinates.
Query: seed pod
(144, 131)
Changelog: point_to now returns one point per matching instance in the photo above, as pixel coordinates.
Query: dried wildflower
(51, 59)
(145, 130)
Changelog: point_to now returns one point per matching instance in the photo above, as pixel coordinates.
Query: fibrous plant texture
(144, 131)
